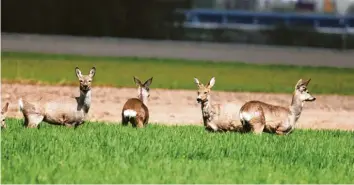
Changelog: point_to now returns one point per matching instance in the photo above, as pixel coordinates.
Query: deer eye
(205, 92)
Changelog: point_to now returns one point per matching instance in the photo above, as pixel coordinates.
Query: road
(105, 46)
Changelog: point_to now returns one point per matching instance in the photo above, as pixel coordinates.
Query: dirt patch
(178, 107)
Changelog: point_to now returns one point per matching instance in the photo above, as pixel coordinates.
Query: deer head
(3, 115)
(302, 92)
(85, 80)
(203, 93)
(143, 89)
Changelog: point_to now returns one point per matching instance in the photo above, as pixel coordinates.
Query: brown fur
(138, 106)
(258, 116)
(142, 116)
(4, 111)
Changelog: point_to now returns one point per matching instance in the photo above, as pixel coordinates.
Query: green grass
(175, 74)
(99, 153)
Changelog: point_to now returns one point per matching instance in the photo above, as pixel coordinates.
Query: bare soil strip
(178, 107)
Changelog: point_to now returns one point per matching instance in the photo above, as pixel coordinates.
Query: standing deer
(135, 110)
(257, 116)
(216, 117)
(3, 114)
(67, 111)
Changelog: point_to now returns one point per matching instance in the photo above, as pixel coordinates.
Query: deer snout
(199, 100)
(85, 86)
(311, 99)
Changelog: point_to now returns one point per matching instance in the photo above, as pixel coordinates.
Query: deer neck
(143, 95)
(84, 101)
(144, 100)
(207, 112)
(295, 110)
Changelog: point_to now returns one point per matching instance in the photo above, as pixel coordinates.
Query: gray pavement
(105, 46)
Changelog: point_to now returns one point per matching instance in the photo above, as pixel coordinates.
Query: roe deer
(3, 114)
(67, 111)
(216, 117)
(257, 116)
(135, 110)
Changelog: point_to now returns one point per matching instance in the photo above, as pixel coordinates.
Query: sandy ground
(178, 107)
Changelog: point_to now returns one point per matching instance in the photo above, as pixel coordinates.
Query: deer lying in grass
(257, 116)
(67, 111)
(135, 110)
(3, 114)
(217, 117)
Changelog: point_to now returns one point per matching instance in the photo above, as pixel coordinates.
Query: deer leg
(212, 127)
(80, 123)
(34, 120)
(25, 122)
(125, 121)
(139, 123)
(258, 128)
(146, 121)
(257, 124)
(283, 130)
(133, 121)
(68, 125)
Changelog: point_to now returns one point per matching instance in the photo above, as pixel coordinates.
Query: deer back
(227, 116)
(54, 108)
(273, 114)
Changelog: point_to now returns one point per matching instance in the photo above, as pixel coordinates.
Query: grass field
(99, 153)
(110, 153)
(173, 74)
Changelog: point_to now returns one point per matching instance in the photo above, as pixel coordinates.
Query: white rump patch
(129, 113)
(246, 116)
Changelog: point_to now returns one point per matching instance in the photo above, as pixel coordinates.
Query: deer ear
(5, 108)
(148, 82)
(307, 82)
(137, 81)
(299, 83)
(78, 72)
(92, 72)
(211, 83)
(196, 81)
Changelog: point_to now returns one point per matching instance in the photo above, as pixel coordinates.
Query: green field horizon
(173, 73)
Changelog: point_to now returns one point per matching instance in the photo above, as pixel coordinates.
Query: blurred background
(313, 23)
